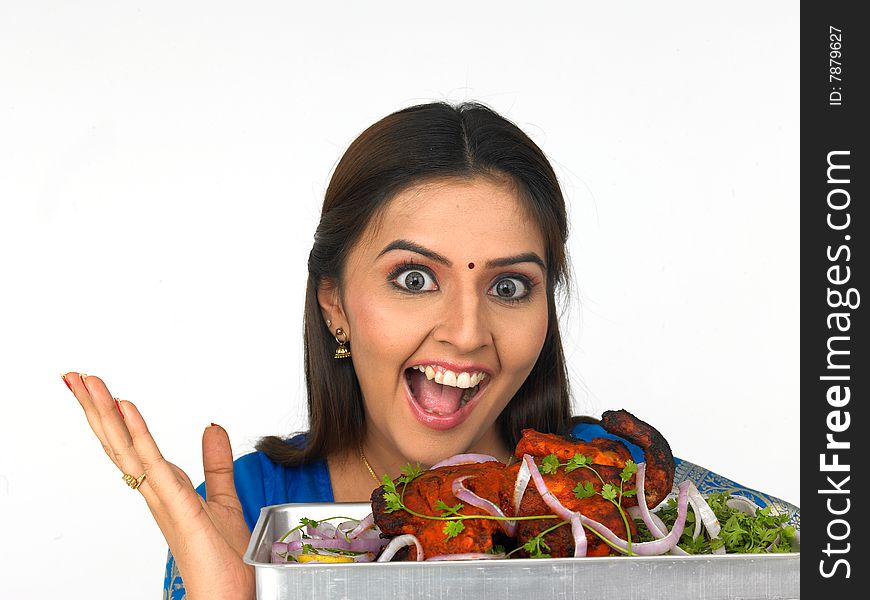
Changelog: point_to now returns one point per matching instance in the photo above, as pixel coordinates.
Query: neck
(352, 481)
(385, 461)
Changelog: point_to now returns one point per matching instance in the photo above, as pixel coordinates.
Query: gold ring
(133, 482)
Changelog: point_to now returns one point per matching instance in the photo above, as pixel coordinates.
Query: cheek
(377, 328)
(529, 334)
(379, 335)
(366, 319)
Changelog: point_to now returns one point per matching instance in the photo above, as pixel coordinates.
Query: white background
(162, 166)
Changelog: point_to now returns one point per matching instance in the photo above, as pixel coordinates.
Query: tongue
(441, 399)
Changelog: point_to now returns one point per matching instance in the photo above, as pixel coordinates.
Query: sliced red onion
(553, 503)
(659, 523)
(468, 556)
(367, 548)
(698, 523)
(323, 531)
(368, 544)
(649, 548)
(634, 512)
(345, 527)
(546, 495)
(703, 513)
(652, 521)
(676, 550)
(645, 514)
(291, 536)
(374, 534)
(357, 545)
(364, 525)
(399, 542)
(279, 549)
(319, 543)
(523, 477)
(464, 459)
(465, 495)
(579, 535)
(742, 504)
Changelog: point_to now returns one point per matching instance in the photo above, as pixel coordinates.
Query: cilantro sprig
(394, 500)
(741, 533)
(447, 511)
(536, 546)
(452, 528)
(586, 489)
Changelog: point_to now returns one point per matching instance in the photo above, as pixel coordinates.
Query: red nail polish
(66, 382)
(120, 412)
(214, 424)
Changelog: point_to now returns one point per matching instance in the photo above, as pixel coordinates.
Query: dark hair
(425, 142)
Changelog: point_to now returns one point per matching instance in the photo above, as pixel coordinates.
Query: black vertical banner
(835, 370)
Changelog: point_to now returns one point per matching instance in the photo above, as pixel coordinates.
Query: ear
(329, 299)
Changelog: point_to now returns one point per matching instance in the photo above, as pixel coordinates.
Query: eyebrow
(519, 258)
(490, 264)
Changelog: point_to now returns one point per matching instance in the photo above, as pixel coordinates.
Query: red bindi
(470, 265)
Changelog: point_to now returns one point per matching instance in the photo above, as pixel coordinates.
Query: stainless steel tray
(751, 576)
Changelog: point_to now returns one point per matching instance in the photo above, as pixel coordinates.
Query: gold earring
(342, 351)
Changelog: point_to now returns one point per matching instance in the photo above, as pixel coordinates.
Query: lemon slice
(324, 558)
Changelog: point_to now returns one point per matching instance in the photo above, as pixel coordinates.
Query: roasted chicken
(432, 493)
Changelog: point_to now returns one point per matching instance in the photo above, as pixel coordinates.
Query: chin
(428, 446)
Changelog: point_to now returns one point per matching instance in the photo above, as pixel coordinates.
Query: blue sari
(260, 482)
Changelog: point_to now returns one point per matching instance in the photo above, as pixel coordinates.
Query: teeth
(462, 380)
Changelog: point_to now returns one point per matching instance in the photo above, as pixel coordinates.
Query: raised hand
(207, 538)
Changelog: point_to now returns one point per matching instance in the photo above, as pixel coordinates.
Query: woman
(430, 330)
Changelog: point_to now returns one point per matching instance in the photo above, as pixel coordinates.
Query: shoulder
(261, 482)
(589, 431)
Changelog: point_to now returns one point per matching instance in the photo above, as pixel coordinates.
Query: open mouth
(440, 392)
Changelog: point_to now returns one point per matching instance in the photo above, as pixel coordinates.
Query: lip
(446, 422)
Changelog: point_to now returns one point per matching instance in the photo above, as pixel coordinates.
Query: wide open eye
(415, 279)
(510, 288)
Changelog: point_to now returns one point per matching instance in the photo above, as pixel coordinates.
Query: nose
(463, 322)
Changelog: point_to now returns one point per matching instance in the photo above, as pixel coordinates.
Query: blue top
(260, 482)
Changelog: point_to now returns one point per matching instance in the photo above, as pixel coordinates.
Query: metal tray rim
(669, 558)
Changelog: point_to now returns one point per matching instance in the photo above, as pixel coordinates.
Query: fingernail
(120, 412)
(214, 425)
(62, 376)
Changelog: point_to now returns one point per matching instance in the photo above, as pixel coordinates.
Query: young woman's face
(446, 309)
